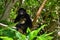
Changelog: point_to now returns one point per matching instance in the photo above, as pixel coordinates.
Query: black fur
(23, 15)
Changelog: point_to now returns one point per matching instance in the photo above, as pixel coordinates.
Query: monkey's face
(22, 12)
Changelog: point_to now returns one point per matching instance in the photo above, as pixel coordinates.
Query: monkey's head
(21, 11)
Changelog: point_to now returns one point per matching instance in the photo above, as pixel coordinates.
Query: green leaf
(28, 30)
(44, 37)
(34, 33)
(5, 38)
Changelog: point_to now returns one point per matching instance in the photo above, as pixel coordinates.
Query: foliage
(44, 37)
(6, 22)
(10, 34)
(49, 14)
(13, 11)
(5, 38)
(31, 3)
(2, 6)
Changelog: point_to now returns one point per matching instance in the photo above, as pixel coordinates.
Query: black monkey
(23, 20)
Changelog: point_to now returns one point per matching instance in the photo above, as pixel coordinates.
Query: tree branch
(3, 25)
(39, 12)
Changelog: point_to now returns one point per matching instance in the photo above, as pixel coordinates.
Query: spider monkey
(23, 20)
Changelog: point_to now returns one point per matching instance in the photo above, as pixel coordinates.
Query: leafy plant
(5, 38)
(10, 33)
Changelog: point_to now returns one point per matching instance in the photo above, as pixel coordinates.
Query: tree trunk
(7, 12)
